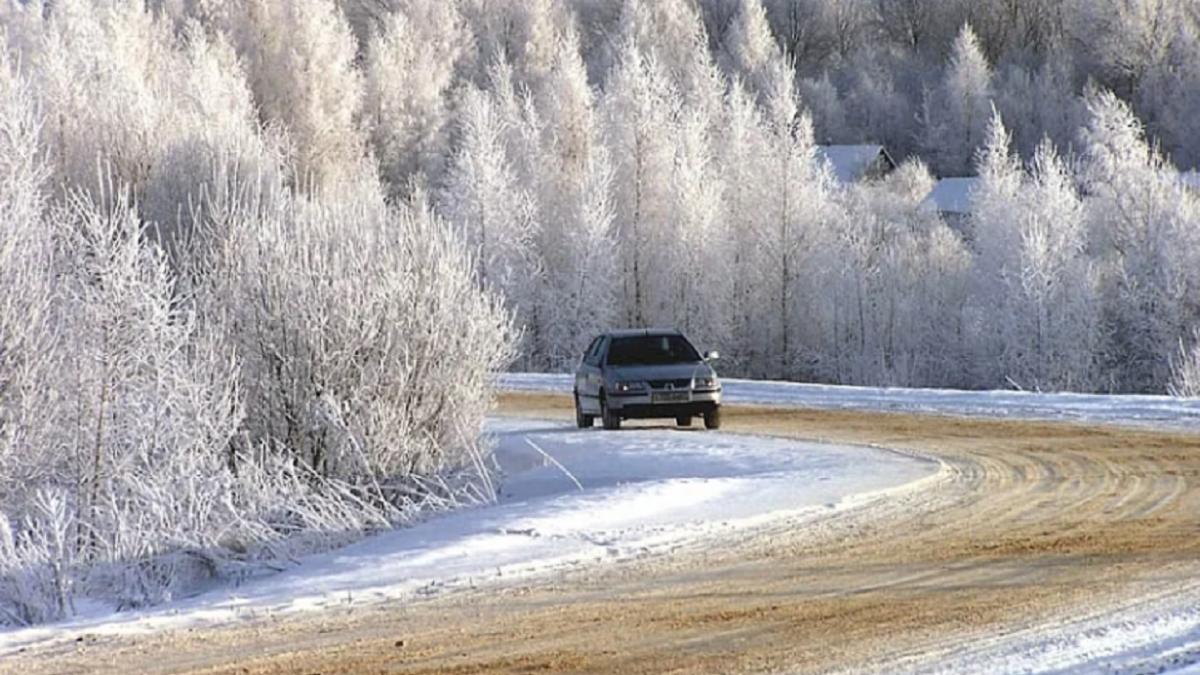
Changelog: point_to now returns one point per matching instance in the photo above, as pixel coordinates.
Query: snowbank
(1156, 411)
(569, 498)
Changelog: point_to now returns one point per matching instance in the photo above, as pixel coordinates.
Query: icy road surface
(568, 497)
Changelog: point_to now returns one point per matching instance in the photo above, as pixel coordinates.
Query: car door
(588, 377)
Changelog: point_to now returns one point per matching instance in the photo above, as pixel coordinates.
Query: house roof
(952, 195)
(850, 162)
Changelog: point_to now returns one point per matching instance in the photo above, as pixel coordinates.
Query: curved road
(1038, 529)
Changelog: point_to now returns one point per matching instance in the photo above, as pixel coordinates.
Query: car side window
(592, 356)
(597, 353)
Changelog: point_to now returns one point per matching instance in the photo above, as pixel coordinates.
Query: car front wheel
(608, 418)
(712, 420)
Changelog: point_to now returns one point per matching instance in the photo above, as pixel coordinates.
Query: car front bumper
(645, 405)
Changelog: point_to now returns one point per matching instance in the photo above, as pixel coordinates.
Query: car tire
(712, 419)
(608, 418)
(683, 421)
(581, 420)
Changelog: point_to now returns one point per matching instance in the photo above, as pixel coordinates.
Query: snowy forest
(261, 259)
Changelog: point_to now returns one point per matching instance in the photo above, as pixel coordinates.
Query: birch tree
(795, 236)
(639, 106)
(482, 200)
(572, 172)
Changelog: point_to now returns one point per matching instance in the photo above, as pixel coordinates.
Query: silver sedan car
(639, 374)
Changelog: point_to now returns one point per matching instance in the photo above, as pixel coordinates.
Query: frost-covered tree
(571, 171)
(877, 109)
(1127, 40)
(410, 66)
(741, 156)
(955, 114)
(519, 32)
(829, 112)
(28, 346)
(748, 48)
(132, 100)
(700, 293)
(894, 310)
(104, 78)
(213, 133)
(300, 58)
(1144, 224)
(639, 106)
(800, 215)
(995, 201)
(1058, 285)
(491, 211)
(671, 32)
(1039, 105)
(812, 32)
(1185, 369)
(1033, 271)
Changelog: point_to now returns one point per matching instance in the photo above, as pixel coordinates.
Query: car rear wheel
(683, 421)
(712, 419)
(608, 418)
(581, 420)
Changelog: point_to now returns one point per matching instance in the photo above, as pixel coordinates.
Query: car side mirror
(712, 356)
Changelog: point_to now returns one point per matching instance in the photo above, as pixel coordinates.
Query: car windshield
(651, 350)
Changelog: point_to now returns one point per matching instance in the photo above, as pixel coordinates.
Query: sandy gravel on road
(1032, 521)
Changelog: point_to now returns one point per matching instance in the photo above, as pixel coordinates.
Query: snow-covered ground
(569, 498)
(1155, 411)
(573, 498)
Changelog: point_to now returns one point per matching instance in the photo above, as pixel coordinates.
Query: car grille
(671, 384)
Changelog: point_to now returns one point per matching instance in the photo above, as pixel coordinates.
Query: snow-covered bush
(27, 335)
(36, 562)
(314, 382)
(152, 406)
(367, 347)
(231, 374)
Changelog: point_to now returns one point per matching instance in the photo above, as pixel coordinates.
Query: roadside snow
(644, 491)
(1157, 411)
(1156, 635)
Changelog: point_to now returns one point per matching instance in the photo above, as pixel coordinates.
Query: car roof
(641, 332)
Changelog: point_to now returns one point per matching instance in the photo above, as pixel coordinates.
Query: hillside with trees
(259, 260)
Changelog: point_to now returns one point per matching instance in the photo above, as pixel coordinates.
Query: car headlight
(704, 383)
(625, 387)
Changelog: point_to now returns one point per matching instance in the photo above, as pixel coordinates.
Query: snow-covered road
(568, 497)
(573, 499)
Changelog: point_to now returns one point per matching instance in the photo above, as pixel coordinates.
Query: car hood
(674, 371)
